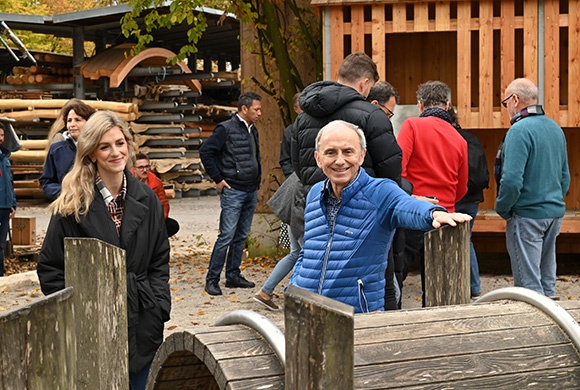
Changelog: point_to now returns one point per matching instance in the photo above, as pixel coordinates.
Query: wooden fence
(77, 337)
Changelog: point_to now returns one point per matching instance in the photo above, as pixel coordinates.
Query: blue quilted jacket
(348, 263)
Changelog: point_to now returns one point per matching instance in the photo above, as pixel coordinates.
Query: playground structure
(77, 338)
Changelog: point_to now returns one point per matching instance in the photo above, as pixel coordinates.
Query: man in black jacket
(231, 157)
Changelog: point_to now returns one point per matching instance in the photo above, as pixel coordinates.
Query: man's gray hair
(340, 123)
(433, 94)
(526, 90)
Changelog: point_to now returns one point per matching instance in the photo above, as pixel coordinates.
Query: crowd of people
(356, 200)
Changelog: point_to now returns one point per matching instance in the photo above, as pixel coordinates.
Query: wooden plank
(421, 17)
(573, 68)
(488, 221)
(319, 341)
(465, 326)
(336, 39)
(400, 17)
(463, 100)
(254, 367)
(270, 383)
(566, 378)
(573, 140)
(100, 310)
(507, 53)
(458, 345)
(442, 16)
(552, 59)
(357, 23)
(423, 316)
(485, 64)
(465, 367)
(447, 266)
(531, 40)
(378, 39)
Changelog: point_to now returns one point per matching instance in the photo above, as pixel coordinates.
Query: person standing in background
(142, 171)
(533, 179)
(7, 196)
(285, 265)
(231, 157)
(61, 155)
(434, 159)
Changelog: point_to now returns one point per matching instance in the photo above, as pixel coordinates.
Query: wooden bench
(489, 232)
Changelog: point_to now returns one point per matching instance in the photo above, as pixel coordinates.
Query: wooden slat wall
(408, 52)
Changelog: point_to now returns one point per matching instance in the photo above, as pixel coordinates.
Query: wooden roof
(116, 64)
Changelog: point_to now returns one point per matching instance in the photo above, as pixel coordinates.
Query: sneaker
(213, 288)
(268, 303)
(476, 295)
(239, 281)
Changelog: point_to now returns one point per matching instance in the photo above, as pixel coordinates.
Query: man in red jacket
(142, 171)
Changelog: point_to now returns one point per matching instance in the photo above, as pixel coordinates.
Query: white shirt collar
(246, 123)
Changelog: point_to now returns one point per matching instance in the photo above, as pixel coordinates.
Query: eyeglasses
(390, 113)
(504, 101)
(144, 167)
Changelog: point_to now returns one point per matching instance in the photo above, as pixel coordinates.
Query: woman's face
(112, 153)
(74, 124)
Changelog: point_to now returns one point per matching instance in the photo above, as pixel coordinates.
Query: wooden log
(26, 184)
(39, 144)
(28, 156)
(319, 342)
(447, 268)
(34, 193)
(20, 104)
(97, 272)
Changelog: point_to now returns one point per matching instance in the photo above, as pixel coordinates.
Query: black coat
(144, 238)
(325, 101)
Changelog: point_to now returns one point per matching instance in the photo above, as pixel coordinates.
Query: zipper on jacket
(362, 299)
(325, 261)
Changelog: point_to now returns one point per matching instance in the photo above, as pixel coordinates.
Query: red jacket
(157, 186)
(434, 159)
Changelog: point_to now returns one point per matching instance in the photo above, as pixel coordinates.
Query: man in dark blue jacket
(231, 157)
(7, 197)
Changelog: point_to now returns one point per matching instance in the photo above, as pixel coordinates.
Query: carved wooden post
(447, 269)
(319, 342)
(97, 272)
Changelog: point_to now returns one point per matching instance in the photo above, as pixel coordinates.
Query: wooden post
(447, 269)
(319, 342)
(97, 272)
(37, 345)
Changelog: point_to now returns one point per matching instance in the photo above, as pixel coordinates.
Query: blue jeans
(138, 381)
(235, 224)
(284, 266)
(531, 244)
(4, 226)
(471, 209)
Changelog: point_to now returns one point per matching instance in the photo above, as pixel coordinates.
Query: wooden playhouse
(477, 48)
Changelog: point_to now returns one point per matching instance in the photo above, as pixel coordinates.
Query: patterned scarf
(437, 112)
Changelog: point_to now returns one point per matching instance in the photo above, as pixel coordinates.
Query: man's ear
(317, 157)
(421, 107)
(375, 102)
(362, 84)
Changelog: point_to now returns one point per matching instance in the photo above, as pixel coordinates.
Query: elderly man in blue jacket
(350, 219)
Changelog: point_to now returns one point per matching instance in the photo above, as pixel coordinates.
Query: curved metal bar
(260, 324)
(547, 305)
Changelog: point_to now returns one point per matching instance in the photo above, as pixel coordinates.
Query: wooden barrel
(499, 345)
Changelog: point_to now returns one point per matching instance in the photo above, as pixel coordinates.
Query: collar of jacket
(351, 189)
(134, 212)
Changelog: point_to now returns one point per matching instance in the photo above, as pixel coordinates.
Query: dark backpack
(478, 171)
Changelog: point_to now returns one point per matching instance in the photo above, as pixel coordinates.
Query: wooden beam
(552, 59)
(442, 16)
(378, 39)
(463, 99)
(485, 63)
(573, 66)
(357, 20)
(507, 53)
(336, 40)
(531, 40)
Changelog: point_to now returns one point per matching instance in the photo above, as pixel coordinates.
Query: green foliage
(286, 33)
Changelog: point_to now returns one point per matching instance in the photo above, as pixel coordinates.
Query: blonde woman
(100, 198)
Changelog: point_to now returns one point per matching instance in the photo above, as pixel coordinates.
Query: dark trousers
(414, 248)
(4, 227)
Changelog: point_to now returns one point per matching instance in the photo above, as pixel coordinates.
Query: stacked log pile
(171, 127)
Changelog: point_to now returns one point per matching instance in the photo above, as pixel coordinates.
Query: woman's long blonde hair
(78, 186)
